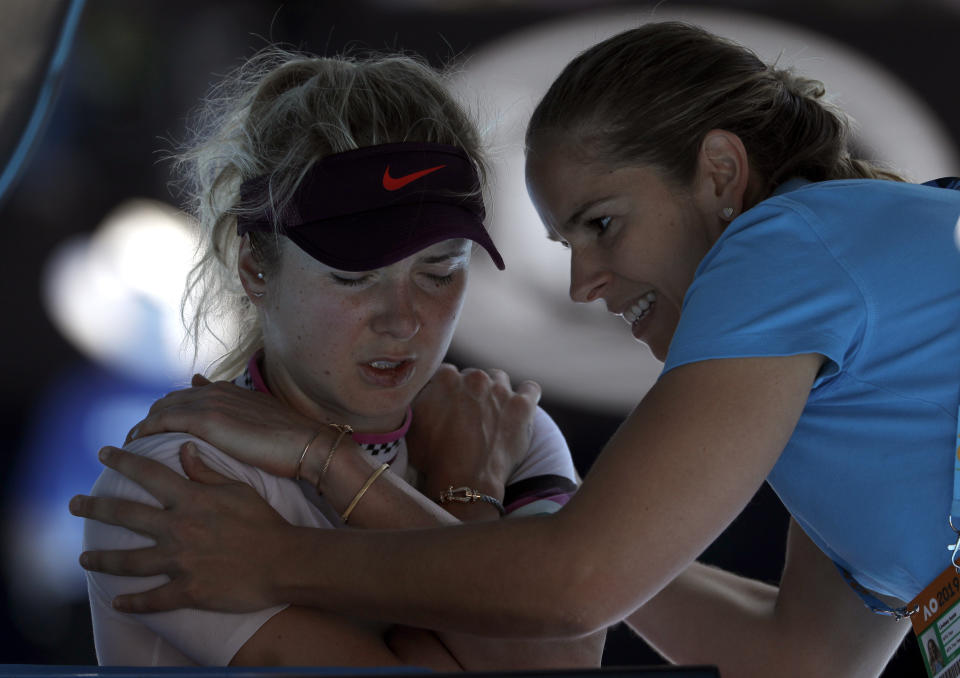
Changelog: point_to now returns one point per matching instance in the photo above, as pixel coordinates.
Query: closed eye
(349, 282)
(440, 280)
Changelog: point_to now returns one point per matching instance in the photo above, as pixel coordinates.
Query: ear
(723, 173)
(250, 272)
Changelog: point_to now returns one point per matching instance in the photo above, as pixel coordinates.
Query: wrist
(325, 444)
(289, 577)
(468, 495)
(472, 513)
(307, 467)
(347, 472)
(433, 485)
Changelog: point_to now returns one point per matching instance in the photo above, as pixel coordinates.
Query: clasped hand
(471, 426)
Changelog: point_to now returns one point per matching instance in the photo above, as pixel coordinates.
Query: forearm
(491, 580)
(500, 587)
(477, 653)
(390, 502)
(710, 616)
(394, 505)
(812, 625)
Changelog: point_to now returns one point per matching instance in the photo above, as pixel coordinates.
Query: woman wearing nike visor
(338, 201)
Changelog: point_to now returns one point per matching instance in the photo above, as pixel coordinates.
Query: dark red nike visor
(373, 206)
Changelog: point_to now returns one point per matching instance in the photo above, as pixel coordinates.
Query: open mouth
(388, 373)
(386, 364)
(640, 308)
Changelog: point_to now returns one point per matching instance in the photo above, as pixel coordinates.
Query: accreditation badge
(936, 613)
(937, 625)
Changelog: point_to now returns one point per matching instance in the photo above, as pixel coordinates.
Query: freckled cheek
(449, 311)
(446, 324)
(439, 320)
(327, 334)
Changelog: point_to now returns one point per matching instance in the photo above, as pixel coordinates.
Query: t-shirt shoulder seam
(811, 221)
(899, 394)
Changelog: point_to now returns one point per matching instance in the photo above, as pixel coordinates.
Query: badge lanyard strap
(954, 517)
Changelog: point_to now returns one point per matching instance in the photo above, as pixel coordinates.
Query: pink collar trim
(256, 376)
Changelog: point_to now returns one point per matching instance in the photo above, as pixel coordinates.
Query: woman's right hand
(471, 427)
(250, 426)
(211, 532)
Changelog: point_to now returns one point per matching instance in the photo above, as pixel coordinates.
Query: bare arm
(479, 426)
(812, 625)
(672, 478)
(393, 505)
(692, 454)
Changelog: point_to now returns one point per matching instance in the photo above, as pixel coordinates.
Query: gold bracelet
(342, 429)
(363, 490)
(303, 454)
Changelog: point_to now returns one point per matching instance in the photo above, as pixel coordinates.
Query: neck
(275, 382)
(757, 190)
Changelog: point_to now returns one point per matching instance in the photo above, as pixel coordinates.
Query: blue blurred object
(47, 94)
(85, 408)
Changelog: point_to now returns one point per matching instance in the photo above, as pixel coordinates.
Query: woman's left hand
(211, 536)
(471, 427)
(250, 426)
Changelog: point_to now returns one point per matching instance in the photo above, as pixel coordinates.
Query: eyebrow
(575, 217)
(441, 258)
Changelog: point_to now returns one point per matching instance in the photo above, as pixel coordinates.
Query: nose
(587, 280)
(398, 316)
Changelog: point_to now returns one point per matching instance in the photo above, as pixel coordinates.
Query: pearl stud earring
(259, 277)
(727, 213)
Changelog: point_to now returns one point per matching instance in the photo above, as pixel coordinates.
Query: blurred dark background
(133, 72)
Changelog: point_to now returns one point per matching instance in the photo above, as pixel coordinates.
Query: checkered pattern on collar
(386, 450)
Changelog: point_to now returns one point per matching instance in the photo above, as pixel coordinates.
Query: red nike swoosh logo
(395, 184)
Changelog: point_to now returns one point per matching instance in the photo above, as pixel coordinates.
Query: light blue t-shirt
(866, 273)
